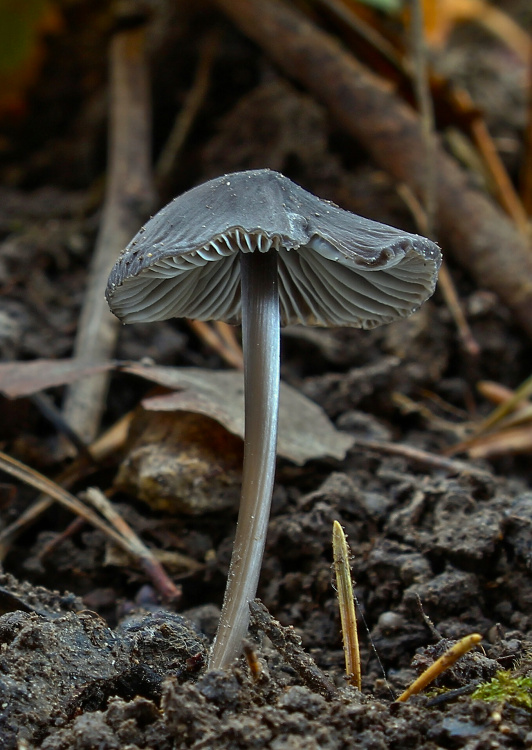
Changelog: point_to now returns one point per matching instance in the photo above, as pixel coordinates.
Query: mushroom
(254, 247)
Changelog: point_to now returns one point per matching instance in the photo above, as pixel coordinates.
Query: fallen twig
(448, 290)
(421, 457)
(110, 441)
(129, 196)
(129, 542)
(167, 162)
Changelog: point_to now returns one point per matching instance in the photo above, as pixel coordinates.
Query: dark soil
(437, 553)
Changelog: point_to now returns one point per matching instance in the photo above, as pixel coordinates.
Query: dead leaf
(305, 431)
(18, 379)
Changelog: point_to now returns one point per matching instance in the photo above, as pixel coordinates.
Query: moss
(506, 687)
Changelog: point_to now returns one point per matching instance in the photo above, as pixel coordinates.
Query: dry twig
(106, 444)
(167, 162)
(128, 198)
(128, 541)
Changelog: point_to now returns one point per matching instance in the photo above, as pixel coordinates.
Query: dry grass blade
(135, 548)
(503, 186)
(441, 664)
(448, 290)
(347, 606)
(520, 394)
(110, 441)
(220, 337)
(504, 442)
(102, 504)
(507, 429)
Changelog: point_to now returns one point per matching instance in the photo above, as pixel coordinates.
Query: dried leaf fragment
(305, 431)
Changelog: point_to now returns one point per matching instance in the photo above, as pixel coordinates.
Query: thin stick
(441, 664)
(49, 410)
(168, 159)
(128, 198)
(347, 606)
(73, 528)
(448, 290)
(423, 458)
(137, 549)
(141, 553)
(105, 444)
(503, 186)
(261, 344)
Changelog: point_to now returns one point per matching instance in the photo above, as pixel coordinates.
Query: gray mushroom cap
(335, 268)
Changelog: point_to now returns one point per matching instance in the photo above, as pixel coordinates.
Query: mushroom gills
(205, 284)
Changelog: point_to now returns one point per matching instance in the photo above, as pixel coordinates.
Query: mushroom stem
(261, 347)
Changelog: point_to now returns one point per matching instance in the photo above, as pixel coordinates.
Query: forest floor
(91, 655)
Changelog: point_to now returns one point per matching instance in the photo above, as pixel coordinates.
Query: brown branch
(422, 458)
(128, 198)
(471, 227)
